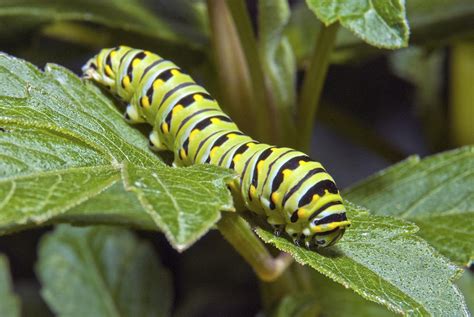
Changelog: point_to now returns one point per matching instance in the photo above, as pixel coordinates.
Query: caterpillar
(292, 192)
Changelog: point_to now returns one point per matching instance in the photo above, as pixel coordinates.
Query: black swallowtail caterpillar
(294, 193)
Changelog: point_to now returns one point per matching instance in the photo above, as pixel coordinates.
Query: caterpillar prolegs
(294, 193)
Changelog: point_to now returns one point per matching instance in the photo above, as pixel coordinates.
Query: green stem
(262, 111)
(313, 83)
(462, 94)
(241, 236)
(235, 86)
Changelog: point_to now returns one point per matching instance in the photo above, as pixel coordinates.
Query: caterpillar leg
(155, 143)
(277, 222)
(278, 229)
(131, 115)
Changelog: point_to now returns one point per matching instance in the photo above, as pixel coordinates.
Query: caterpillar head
(103, 67)
(322, 231)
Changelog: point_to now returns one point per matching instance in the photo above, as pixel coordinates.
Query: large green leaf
(9, 302)
(382, 260)
(381, 23)
(102, 271)
(79, 153)
(437, 193)
(127, 16)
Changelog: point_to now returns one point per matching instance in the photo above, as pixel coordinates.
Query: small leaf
(9, 302)
(102, 271)
(380, 23)
(380, 258)
(177, 199)
(436, 193)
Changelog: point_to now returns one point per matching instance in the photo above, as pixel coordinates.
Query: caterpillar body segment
(294, 193)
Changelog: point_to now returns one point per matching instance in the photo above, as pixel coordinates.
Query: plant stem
(262, 111)
(313, 83)
(462, 94)
(240, 235)
(235, 85)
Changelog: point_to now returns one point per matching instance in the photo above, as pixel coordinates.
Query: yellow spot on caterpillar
(164, 127)
(135, 62)
(145, 102)
(301, 163)
(157, 83)
(273, 149)
(175, 72)
(275, 197)
(302, 213)
(198, 97)
(286, 173)
(108, 70)
(236, 158)
(126, 81)
(315, 197)
(213, 151)
(250, 144)
(112, 54)
(253, 191)
(215, 120)
(147, 53)
(231, 135)
(260, 165)
(177, 109)
(193, 133)
(182, 153)
(317, 229)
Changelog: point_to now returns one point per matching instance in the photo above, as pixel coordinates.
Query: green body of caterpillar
(294, 193)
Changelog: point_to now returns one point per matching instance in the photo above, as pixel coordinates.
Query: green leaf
(9, 302)
(378, 22)
(277, 56)
(129, 16)
(436, 193)
(380, 258)
(125, 210)
(381, 23)
(178, 199)
(102, 271)
(77, 159)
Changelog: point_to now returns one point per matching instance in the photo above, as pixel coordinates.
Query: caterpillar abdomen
(293, 192)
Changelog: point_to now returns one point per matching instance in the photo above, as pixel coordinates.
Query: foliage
(67, 156)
